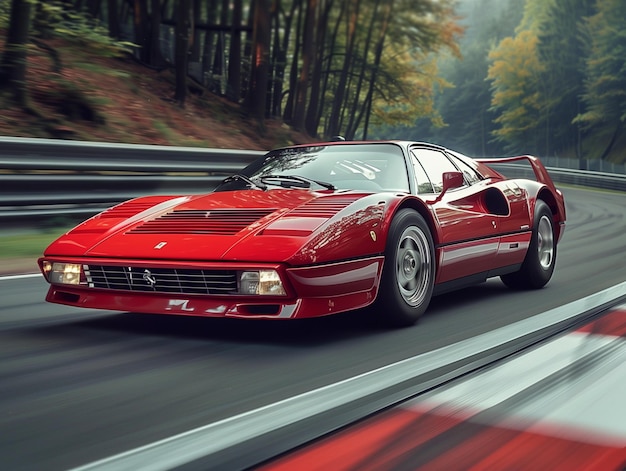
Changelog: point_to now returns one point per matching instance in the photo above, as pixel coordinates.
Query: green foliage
(515, 75)
(70, 101)
(5, 13)
(31, 244)
(605, 66)
(407, 74)
(55, 18)
(562, 52)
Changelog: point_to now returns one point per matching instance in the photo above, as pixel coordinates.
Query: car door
(514, 227)
(467, 240)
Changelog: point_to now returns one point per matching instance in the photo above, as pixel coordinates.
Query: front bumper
(310, 292)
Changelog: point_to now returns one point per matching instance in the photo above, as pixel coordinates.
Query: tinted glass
(370, 167)
(435, 164)
(422, 183)
(471, 175)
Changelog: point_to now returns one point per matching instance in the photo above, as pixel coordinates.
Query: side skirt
(474, 279)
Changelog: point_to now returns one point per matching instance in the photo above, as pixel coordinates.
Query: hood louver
(323, 207)
(127, 210)
(200, 221)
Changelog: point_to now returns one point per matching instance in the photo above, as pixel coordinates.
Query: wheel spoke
(410, 284)
(413, 265)
(545, 242)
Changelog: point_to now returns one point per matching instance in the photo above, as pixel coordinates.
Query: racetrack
(77, 386)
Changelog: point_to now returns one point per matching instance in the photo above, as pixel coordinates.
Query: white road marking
(19, 277)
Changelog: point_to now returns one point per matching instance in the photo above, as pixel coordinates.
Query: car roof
(399, 142)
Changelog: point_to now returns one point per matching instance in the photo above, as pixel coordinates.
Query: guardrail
(606, 181)
(42, 178)
(46, 177)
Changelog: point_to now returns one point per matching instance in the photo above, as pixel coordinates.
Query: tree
(257, 91)
(465, 105)
(518, 94)
(308, 52)
(13, 65)
(233, 90)
(352, 19)
(515, 74)
(562, 53)
(182, 50)
(406, 74)
(605, 72)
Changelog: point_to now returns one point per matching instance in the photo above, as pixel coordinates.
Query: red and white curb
(559, 406)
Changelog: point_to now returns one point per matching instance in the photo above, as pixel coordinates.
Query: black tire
(408, 273)
(540, 259)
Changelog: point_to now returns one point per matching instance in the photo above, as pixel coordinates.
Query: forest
(486, 77)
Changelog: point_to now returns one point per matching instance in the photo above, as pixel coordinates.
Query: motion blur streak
(558, 406)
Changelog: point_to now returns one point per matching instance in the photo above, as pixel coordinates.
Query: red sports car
(317, 229)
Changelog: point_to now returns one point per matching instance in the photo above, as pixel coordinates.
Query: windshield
(369, 167)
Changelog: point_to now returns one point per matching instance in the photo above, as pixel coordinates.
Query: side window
(422, 184)
(435, 164)
(471, 175)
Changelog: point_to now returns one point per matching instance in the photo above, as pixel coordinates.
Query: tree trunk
(113, 19)
(257, 92)
(308, 52)
(141, 24)
(13, 66)
(181, 51)
(340, 91)
(311, 122)
(156, 58)
(293, 71)
(233, 90)
(352, 120)
(367, 108)
(207, 52)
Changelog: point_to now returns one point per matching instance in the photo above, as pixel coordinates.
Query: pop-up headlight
(63, 273)
(261, 282)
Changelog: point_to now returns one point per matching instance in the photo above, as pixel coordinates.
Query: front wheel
(409, 271)
(540, 259)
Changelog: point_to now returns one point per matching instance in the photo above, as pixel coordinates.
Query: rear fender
(548, 191)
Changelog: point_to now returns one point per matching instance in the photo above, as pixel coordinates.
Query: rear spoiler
(541, 174)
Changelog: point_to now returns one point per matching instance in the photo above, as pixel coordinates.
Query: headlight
(263, 282)
(63, 273)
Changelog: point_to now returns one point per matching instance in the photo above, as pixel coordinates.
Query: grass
(25, 245)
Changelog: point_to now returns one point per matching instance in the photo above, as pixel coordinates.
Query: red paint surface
(476, 229)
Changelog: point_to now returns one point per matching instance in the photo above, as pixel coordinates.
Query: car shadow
(292, 332)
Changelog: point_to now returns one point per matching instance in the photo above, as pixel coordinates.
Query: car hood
(282, 225)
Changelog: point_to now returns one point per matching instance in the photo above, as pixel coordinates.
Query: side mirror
(450, 180)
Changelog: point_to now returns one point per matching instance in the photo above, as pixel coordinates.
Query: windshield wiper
(248, 180)
(295, 181)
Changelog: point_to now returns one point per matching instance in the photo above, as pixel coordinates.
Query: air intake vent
(126, 210)
(323, 207)
(162, 280)
(201, 221)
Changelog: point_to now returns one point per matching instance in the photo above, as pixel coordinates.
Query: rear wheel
(540, 259)
(409, 271)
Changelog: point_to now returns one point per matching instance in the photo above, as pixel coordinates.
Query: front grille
(161, 280)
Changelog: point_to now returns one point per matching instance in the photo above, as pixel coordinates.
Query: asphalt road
(76, 386)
